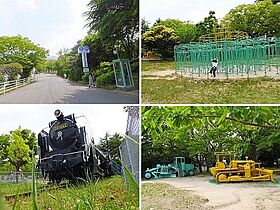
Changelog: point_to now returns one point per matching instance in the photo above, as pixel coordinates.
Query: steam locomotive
(67, 151)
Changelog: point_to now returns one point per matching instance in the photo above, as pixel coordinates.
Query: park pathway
(50, 89)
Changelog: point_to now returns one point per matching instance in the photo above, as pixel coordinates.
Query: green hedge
(106, 80)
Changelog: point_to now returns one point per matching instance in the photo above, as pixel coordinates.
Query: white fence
(11, 85)
(11, 177)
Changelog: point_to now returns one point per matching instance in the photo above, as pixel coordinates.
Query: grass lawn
(188, 91)
(181, 90)
(157, 65)
(165, 196)
(12, 188)
(108, 193)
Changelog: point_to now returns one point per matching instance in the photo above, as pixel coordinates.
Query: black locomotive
(67, 151)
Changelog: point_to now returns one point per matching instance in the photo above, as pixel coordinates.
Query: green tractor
(177, 168)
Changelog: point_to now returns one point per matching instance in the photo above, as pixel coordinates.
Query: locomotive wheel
(148, 175)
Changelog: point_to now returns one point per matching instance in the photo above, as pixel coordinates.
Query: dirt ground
(171, 74)
(226, 196)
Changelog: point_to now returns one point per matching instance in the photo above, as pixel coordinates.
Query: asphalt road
(50, 89)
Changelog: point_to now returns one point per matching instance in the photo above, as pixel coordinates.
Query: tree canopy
(197, 132)
(116, 21)
(111, 143)
(161, 39)
(16, 147)
(255, 19)
(18, 49)
(207, 26)
(186, 31)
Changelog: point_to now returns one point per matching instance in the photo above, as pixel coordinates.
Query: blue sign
(83, 49)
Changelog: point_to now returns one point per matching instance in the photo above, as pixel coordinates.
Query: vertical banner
(84, 50)
(84, 60)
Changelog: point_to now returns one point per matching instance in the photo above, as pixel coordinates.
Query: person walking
(214, 67)
(90, 80)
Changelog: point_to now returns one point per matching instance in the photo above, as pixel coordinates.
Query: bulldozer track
(12, 197)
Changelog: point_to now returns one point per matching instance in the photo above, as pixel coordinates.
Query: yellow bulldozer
(238, 170)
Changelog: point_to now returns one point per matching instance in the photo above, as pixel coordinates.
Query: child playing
(214, 67)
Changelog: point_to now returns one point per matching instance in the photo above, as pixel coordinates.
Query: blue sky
(54, 24)
(101, 118)
(186, 10)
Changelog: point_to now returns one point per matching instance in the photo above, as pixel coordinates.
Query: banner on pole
(84, 50)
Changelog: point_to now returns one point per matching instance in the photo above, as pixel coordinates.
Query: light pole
(116, 52)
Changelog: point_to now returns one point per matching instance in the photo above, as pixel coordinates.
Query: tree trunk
(207, 164)
(199, 163)
(17, 173)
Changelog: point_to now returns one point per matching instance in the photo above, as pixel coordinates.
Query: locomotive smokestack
(59, 115)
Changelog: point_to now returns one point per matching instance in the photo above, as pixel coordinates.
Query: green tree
(50, 66)
(144, 26)
(18, 152)
(116, 22)
(197, 132)
(273, 1)
(111, 143)
(160, 39)
(4, 143)
(207, 26)
(18, 49)
(28, 136)
(185, 30)
(100, 51)
(255, 19)
(12, 70)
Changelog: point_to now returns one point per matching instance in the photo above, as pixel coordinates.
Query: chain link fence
(129, 148)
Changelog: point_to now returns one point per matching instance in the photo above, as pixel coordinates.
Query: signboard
(84, 60)
(60, 126)
(84, 50)
(86, 70)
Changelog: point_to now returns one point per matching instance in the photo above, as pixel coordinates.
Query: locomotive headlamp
(58, 114)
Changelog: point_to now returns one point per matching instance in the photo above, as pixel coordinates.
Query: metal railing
(12, 177)
(11, 85)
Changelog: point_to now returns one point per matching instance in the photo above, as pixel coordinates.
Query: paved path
(50, 89)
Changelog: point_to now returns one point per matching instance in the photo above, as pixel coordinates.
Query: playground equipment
(149, 55)
(238, 170)
(236, 53)
(177, 168)
(123, 73)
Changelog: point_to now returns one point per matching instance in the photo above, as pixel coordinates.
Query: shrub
(135, 67)
(75, 75)
(106, 80)
(85, 78)
(12, 70)
(104, 68)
